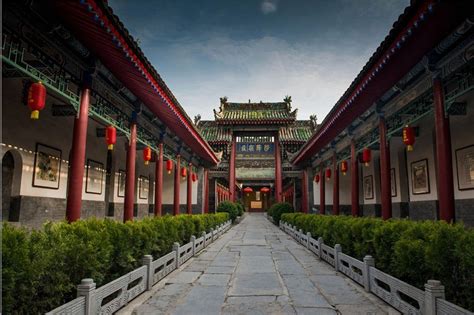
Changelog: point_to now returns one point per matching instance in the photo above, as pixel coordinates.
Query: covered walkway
(257, 269)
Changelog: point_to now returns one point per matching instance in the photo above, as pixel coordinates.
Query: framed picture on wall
(465, 167)
(121, 184)
(143, 187)
(420, 177)
(393, 183)
(47, 167)
(368, 187)
(94, 177)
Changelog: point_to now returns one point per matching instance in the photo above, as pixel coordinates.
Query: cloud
(269, 6)
(266, 69)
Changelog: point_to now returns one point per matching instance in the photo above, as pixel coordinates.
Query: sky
(260, 50)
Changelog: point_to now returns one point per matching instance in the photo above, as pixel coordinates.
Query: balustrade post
(320, 245)
(308, 235)
(204, 238)
(212, 235)
(86, 289)
(147, 261)
(433, 290)
(193, 240)
(176, 250)
(368, 262)
(300, 236)
(337, 250)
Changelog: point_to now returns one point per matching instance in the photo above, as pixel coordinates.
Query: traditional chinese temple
(89, 127)
(256, 141)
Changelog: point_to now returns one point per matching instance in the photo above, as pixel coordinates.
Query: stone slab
(214, 279)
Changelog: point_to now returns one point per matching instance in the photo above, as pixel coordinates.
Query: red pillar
(443, 155)
(278, 182)
(206, 191)
(385, 180)
(189, 195)
(177, 171)
(354, 181)
(159, 182)
(78, 156)
(130, 174)
(335, 192)
(232, 170)
(304, 192)
(322, 192)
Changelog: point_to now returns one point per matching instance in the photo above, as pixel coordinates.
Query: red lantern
(169, 166)
(183, 172)
(36, 99)
(110, 137)
(316, 178)
(265, 189)
(147, 155)
(366, 156)
(248, 190)
(328, 173)
(344, 167)
(194, 177)
(409, 137)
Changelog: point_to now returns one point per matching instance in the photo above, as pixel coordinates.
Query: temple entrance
(257, 199)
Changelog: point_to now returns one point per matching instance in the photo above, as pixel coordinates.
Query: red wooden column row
(206, 191)
(177, 172)
(335, 187)
(443, 155)
(189, 196)
(232, 170)
(322, 192)
(304, 191)
(278, 171)
(385, 180)
(159, 181)
(78, 156)
(129, 200)
(354, 181)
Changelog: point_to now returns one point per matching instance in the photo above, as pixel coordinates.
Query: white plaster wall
(373, 170)
(423, 149)
(345, 186)
(316, 195)
(462, 135)
(329, 184)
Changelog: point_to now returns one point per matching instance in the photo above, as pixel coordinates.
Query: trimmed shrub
(229, 207)
(277, 209)
(412, 251)
(42, 268)
(240, 208)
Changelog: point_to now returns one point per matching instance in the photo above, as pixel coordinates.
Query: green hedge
(413, 251)
(42, 268)
(230, 207)
(277, 209)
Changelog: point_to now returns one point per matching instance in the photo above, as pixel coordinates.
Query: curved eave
(102, 35)
(222, 121)
(430, 22)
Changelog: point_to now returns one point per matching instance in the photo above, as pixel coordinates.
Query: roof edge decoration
(418, 29)
(94, 23)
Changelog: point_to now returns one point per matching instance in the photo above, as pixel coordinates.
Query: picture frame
(47, 167)
(121, 183)
(368, 187)
(94, 177)
(420, 177)
(465, 167)
(143, 187)
(393, 183)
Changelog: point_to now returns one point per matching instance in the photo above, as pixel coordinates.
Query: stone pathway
(255, 268)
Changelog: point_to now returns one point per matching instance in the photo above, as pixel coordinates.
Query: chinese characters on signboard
(257, 148)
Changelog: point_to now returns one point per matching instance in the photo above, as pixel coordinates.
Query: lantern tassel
(110, 147)
(146, 162)
(35, 114)
(409, 148)
(366, 164)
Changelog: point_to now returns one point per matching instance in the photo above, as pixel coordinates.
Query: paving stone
(214, 279)
(257, 269)
(184, 277)
(220, 269)
(202, 300)
(255, 284)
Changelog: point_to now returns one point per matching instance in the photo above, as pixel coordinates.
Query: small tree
(277, 209)
(230, 208)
